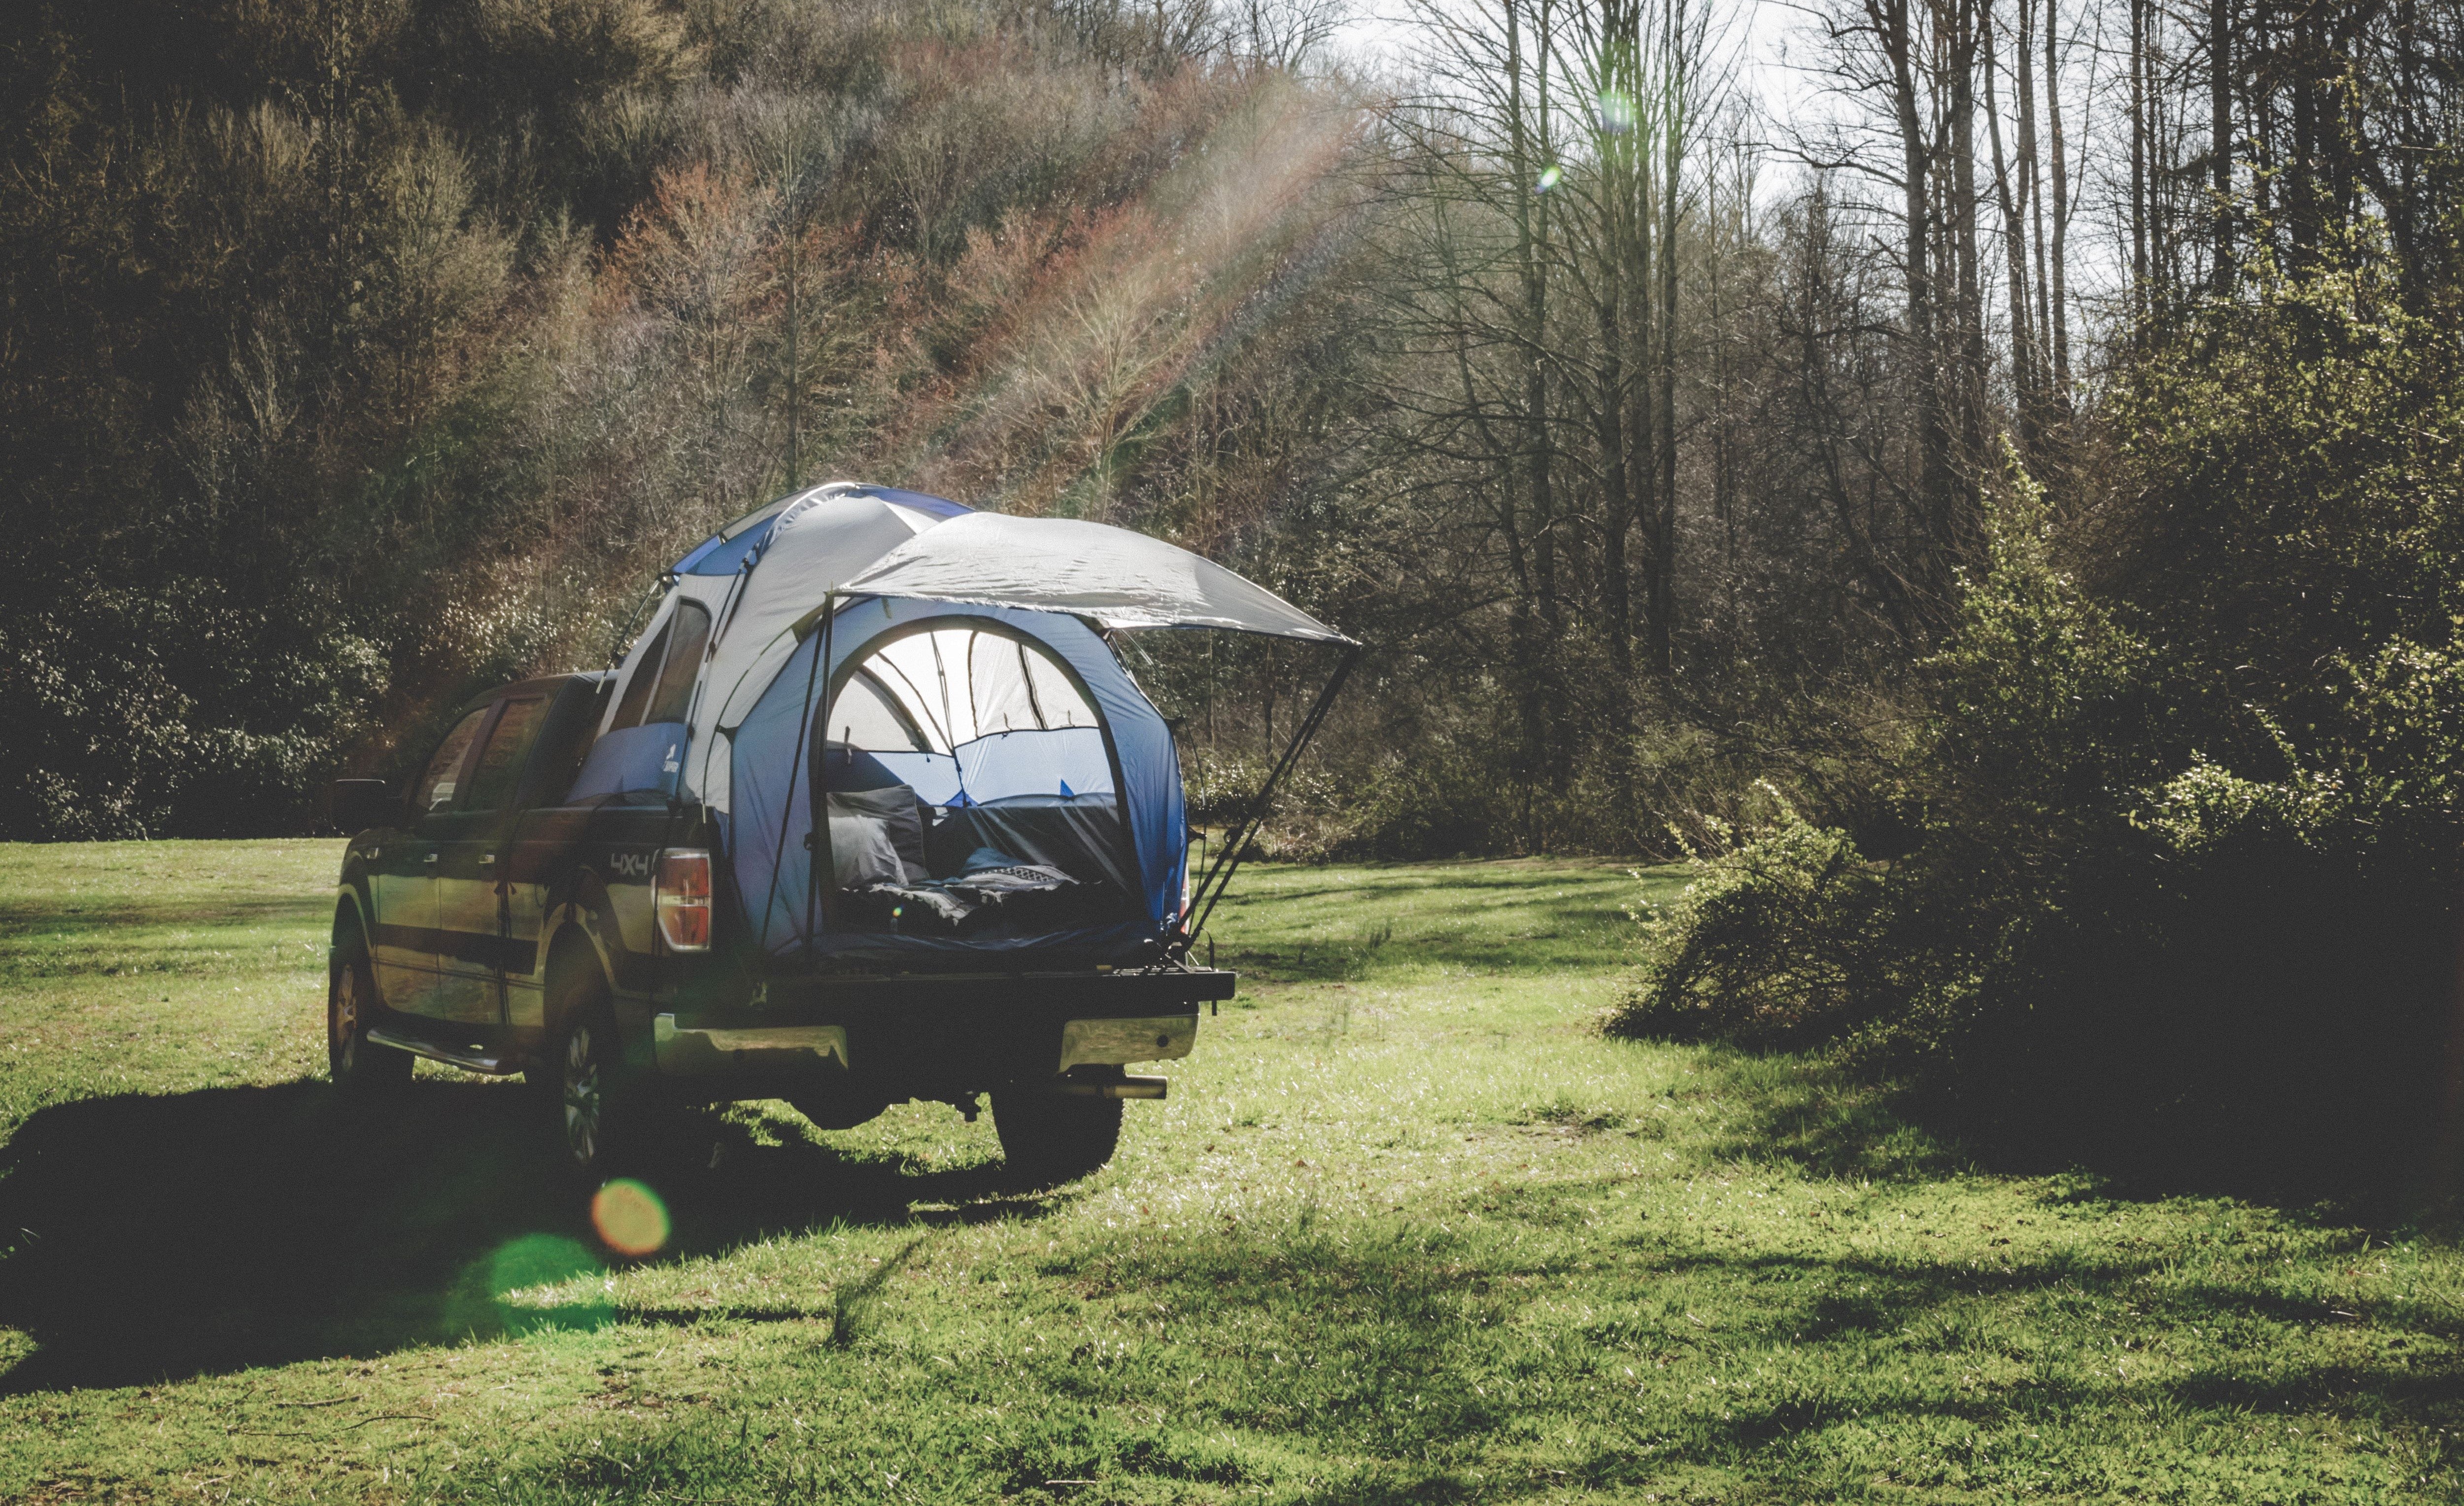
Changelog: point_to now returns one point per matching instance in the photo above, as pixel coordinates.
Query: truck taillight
(683, 899)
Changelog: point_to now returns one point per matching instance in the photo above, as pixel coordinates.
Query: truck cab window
(661, 689)
(436, 785)
(567, 738)
(500, 760)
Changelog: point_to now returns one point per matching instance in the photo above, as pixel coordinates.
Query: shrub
(1774, 943)
(174, 713)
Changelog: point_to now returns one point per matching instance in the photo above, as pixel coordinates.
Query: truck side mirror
(359, 803)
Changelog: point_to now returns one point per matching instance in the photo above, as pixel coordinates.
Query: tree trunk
(1663, 658)
(2220, 267)
(1547, 707)
(2032, 193)
(2139, 226)
(2302, 195)
(1892, 29)
(2024, 367)
(2057, 289)
(1964, 199)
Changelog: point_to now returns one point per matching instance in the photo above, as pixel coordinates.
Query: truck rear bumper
(1159, 991)
(934, 1035)
(757, 1050)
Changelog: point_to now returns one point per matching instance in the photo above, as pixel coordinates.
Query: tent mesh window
(971, 790)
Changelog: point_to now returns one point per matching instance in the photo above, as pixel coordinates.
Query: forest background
(2004, 525)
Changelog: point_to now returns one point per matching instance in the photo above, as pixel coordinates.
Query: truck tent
(939, 682)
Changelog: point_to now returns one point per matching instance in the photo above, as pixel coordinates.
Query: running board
(470, 1059)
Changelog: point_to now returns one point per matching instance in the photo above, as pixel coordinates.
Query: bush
(174, 713)
(1774, 943)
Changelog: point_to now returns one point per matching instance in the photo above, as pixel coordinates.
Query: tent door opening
(972, 791)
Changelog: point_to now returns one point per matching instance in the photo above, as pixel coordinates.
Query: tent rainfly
(1104, 574)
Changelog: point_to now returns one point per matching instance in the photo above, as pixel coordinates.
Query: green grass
(1408, 1228)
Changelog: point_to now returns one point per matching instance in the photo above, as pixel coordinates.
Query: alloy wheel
(342, 1022)
(583, 1096)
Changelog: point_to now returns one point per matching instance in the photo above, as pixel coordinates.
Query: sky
(1768, 41)
(1760, 36)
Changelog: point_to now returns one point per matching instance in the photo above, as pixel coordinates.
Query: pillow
(862, 854)
(876, 837)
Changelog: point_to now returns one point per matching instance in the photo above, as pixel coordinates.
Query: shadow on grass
(1831, 1120)
(1393, 1360)
(1788, 1109)
(113, 918)
(1413, 1343)
(158, 1236)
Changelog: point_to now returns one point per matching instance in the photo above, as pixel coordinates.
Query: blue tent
(940, 683)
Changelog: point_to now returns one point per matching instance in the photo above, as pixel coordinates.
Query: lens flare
(537, 1260)
(1548, 177)
(1616, 113)
(548, 1282)
(629, 1217)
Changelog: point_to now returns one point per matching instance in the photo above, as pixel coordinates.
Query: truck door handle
(488, 860)
(429, 858)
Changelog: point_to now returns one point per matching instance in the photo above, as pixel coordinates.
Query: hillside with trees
(364, 354)
(2003, 520)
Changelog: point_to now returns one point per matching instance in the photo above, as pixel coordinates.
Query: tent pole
(787, 808)
(821, 784)
(660, 585)
(1219, 875)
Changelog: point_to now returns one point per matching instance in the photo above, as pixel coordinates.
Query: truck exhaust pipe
(1123, 1087)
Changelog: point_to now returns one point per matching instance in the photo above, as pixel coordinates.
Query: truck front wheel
(1050, 1137)
(359, 1066)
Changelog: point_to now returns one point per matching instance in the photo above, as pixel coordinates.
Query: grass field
(1408, 1230)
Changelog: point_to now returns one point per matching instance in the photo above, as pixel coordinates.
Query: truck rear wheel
(1050, 1137)
(589, 1103)
(359, 1066)
(601, 1106)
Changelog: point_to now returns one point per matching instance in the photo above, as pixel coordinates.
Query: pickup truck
(488, 921)
(872, 809)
